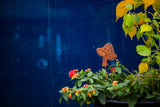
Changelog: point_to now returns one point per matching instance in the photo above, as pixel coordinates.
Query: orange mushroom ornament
(107, 53)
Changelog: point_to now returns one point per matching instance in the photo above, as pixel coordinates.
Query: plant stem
(106, 72)
(144, 40)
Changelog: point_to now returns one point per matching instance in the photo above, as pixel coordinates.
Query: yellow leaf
(127, 29)
(132, 33)
(147, 3)
(121, 9)
(140, 22)
(143, 67)
(137, 3)
(145, 27)
(129, 1)
(156, 6)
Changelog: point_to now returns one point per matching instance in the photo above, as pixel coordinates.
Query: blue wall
(42, 41)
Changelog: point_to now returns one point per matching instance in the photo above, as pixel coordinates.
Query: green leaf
(136, 86)
(96, 93)
(144, 60)
(158, 59)
(74, 88)
(120, 93)
(129, 6)
(146, 19)
(89, 74)
(60, 100)
(149, 96)
(119, 70)
(102, 98)
(143, 17)
(127, 89)
(110, 88)
(126, 82)
(136, 18)
(114, 95)
(73, 97)
(139, 35)
(84, 96)
(84, 79)
(145, 28)
(143, 50)
(60, 91)
(91, 80)
(100, 77)
(132, 100)
(95, 77)
(81, 103)
(126, 29)
(128, 20)
(90, 89)
(79, 83)
(65, 96)
(141, 90)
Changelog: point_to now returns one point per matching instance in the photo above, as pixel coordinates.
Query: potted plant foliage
(115, 84)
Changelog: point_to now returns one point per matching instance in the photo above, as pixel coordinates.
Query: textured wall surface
(42, 40)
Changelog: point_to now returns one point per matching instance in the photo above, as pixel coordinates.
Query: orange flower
(114, 83)
(76, 75)
(93, 91)
(65, 89)
(70, 95)
(89, 69)
(78, 91)
(89, 94)
(86, 85)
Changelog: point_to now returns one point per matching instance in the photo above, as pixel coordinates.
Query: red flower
(73, 74)
(113, 70)
(86, 85)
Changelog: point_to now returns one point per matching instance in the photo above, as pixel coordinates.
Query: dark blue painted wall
(41, 42)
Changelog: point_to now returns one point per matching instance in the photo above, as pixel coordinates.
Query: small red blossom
(78, 91)
(113, 70)
(70, 95)
(65, 89)
(86, 85)
(89, 94)
(93, 91)
(114, 83)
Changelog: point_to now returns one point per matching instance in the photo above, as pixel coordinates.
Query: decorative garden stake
(107, 53)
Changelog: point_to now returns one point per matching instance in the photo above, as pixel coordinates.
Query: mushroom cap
(101, 52)
(107, 52)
